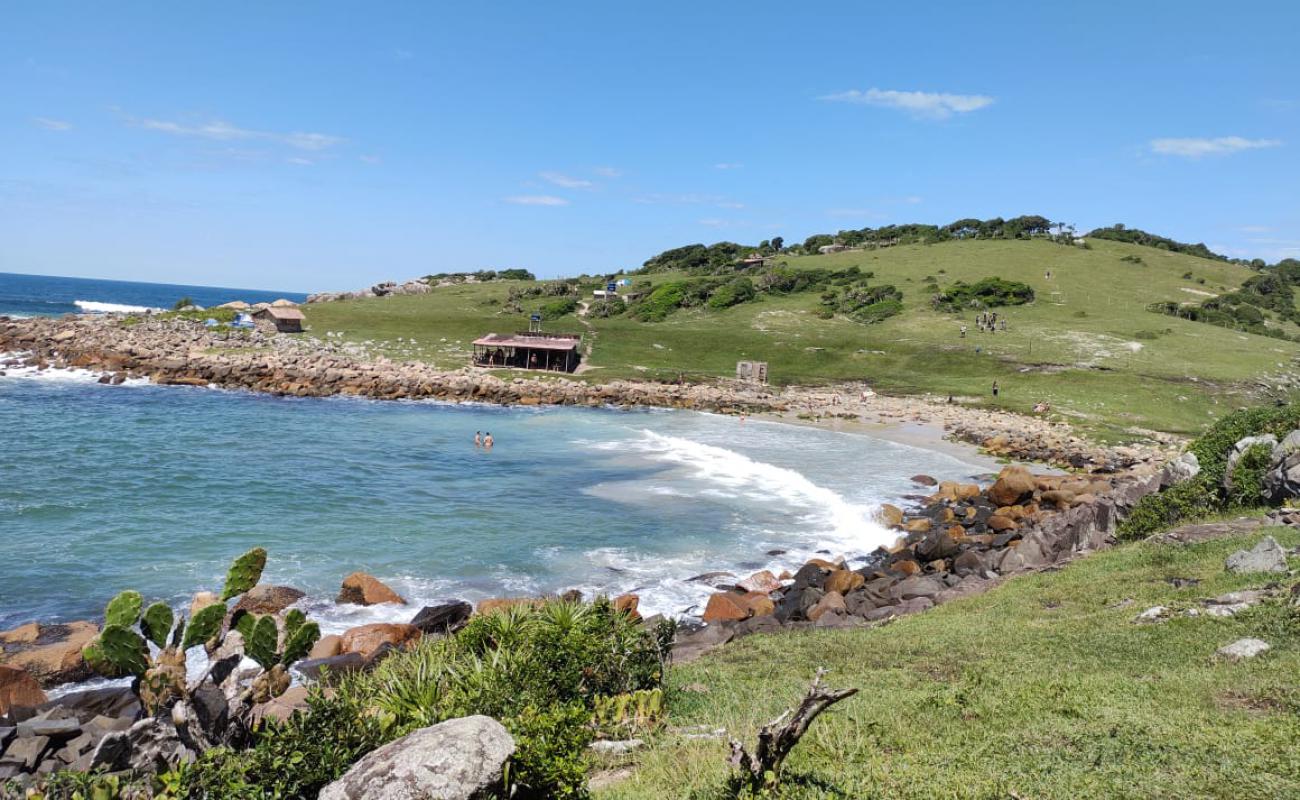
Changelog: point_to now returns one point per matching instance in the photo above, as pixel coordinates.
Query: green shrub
(664, 300)
(555, 309)
(984, 293)
(1248, 476)
(736, 291)
(1204, 495)
(603, 309)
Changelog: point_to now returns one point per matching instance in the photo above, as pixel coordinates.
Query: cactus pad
(118, 650)
(244, 573)
(260, 645)
(298, 644)
(293, 620)
(204, 626)
(124, 609)
(157, 623)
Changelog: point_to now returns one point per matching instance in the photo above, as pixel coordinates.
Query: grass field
(1042, 688)
(1086, 345)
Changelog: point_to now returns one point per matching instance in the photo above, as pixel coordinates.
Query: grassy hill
(1042, 688)
(1087, 345)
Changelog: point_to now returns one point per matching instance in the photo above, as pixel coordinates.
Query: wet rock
(924, 480)
(49, 653)
(460, 759)
(444, 618)
(1266, 556)
(267, 599)
(366, 590)
(763, 581)
(1013, 485)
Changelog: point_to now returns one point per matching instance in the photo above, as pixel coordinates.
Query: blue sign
(611, 287)
(536, 318)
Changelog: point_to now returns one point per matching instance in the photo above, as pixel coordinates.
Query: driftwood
(763, 767)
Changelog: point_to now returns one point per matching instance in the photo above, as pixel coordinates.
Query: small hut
(556, 352)
(278, 319)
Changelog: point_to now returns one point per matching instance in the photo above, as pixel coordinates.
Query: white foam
(95, 307)
(53, 375)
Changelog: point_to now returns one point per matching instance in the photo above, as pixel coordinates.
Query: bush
(603, 309)
(739, 290)
(1248, 477)
(562, 307)
(539, 670)
(1205, 494)
(984, 293)
(664, 300)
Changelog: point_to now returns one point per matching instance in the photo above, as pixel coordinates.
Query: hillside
(1087, 345)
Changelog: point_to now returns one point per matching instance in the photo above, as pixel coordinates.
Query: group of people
(483, 440)
(987, 322)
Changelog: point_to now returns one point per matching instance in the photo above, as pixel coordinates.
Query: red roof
(534, 342)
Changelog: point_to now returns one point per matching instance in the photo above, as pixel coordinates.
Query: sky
(329, 145)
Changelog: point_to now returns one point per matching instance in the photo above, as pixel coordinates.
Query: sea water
(156, 488)
(48, 296)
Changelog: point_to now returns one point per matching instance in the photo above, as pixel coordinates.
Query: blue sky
(323, 145)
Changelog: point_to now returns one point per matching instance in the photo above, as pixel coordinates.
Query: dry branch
(763, 767)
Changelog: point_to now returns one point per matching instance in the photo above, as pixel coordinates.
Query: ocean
(156, 488)
(46, 296)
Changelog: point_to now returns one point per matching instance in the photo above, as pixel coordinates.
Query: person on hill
(487, 440)
(995, 394)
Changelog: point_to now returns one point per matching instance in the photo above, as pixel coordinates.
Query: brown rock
(201, 601)
(918, 525)
(968, 491)
(759, 604)
(53, 656)
(18, 688)
(267, 599)
(1013, 485)
(1084, 499)
(924, 480)
(726, 606)
(891, 516)
(999, 523)
(367, 590)
(843, 581)
(764, 582)
(491, 604)
(627, 603)
(365, 639)
(906, 566)
(327, 647)
(823, 564)
(831, 603)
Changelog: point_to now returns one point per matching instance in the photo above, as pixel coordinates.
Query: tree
(778, 243)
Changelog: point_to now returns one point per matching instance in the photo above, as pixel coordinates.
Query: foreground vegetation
(1042, 688)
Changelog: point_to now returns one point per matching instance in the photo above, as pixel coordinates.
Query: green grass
(1042, 688)
(1087, 345)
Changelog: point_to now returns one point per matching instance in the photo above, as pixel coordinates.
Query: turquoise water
(157, 488)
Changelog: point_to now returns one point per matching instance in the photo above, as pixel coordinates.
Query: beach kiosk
(556, 352)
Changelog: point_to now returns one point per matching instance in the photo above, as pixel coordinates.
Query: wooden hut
(278, 319)
(557, 352)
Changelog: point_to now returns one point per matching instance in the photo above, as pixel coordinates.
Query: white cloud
(566, 181)
(52, 124)
(936, 105)
(368, 159)
(609, 172)
(222, 131)
(727, 165)
(1198, 147)
(300, 161)
(537, 200)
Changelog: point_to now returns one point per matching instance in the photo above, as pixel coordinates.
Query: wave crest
(96, 307)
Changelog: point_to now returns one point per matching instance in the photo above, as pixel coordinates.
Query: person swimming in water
(478, 438)
(487, 441)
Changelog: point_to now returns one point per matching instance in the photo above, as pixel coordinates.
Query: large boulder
(265, 598)
(444, 618)
(1014, 484)
(367, 590)
(460, 759)
(366, 639)
(1282, 481)
(18, 688)
(1267, 556)
(1181, 469)
(50, 653)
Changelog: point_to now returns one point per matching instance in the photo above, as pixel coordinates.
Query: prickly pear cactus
(261, 644)
(270, 684)
(163, 683)
(300, 643)
(244, 573)
(157, 623)
(117, 652)
(124, 609)
(205, 625)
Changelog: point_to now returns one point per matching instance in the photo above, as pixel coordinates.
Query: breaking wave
(94, 307)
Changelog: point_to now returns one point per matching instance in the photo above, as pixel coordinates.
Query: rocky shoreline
(185, 353)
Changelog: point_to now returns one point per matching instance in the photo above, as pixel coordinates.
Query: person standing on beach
(487, 441)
